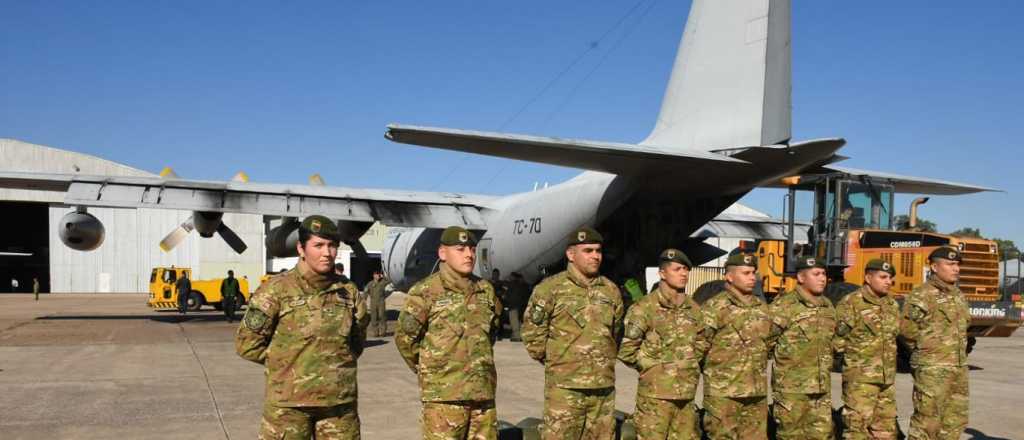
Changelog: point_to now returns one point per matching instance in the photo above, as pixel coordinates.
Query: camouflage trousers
(940, 403)
(579, 414)
(661, 419)
(741, 418)
(869, 411)
(803, 416)
(378, 317)
(332, 422)
(459, 420)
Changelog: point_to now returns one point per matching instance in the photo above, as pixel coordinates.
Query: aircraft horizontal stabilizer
(916, 185)
(610, 157)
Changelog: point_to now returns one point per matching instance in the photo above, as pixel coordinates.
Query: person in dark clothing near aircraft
(184, 290)
(229, 292)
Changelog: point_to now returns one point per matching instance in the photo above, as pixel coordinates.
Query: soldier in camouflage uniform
(308, 328)
(573, 325)
(737, 326)
(868, 322)
(664, 340)
(935, 320)
(446, 333)
(803, 324)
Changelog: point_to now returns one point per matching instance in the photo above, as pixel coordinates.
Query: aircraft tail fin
(731, 81)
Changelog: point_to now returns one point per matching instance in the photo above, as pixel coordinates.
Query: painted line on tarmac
(209, 388)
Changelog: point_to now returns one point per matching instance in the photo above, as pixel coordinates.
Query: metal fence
(702, 274)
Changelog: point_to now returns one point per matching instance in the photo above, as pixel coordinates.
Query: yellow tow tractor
(163, 293)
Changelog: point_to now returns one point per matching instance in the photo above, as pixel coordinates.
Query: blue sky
(282, 90)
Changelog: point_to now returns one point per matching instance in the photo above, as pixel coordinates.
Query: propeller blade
(176, 236)
(358, 248)
(316, 180)
(231, 238)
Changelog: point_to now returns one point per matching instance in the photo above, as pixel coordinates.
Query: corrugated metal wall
(131, 250)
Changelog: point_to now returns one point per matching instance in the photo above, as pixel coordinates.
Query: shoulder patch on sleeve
(633, 331)
(409, 323)
(915, 312)
(537, 313)
(256, 320)
(843, 329)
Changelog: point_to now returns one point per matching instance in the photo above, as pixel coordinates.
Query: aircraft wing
(609, 157)
(391, 207)
(903, 184)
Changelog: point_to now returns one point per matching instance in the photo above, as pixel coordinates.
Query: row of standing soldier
(308, 330)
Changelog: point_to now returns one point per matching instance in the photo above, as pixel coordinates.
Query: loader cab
(844, 204)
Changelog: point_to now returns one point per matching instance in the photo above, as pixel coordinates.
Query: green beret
(320, 226)
(880, 264)
(946, 253)
(675, 255)
(585, 235)
(808, 263)
(741, 260)
(456, 235)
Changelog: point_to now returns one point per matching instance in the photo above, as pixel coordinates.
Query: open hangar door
(24, 246)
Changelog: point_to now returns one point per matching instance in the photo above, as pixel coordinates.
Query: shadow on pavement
(375, 342)
(169, 319)
(978, 435)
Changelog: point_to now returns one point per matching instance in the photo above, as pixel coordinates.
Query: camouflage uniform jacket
(737, 328)
(866, 333)
(665, 342)
(446, 335)
(935, 320)
(802, 328)
(573, 328)
(308, 330)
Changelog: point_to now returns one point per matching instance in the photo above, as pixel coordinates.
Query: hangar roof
(18, 155)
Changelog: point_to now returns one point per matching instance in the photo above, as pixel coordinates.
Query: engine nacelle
(206, 223)
(282, 240)
(80, 231)
(349, 231)
(410, 254)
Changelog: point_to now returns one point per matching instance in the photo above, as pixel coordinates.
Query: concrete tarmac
(91, 366)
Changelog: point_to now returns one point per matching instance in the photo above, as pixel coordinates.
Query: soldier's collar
(581, 280)
(667, 294)
(739, 298)
(870, 295)
(943, 286)
(452, 280)
(314, 281)
(808, 299)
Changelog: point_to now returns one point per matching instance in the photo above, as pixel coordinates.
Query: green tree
(903, 223)
(967, 232)
(1007, 249)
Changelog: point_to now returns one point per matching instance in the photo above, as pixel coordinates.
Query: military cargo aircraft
(724, 129)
